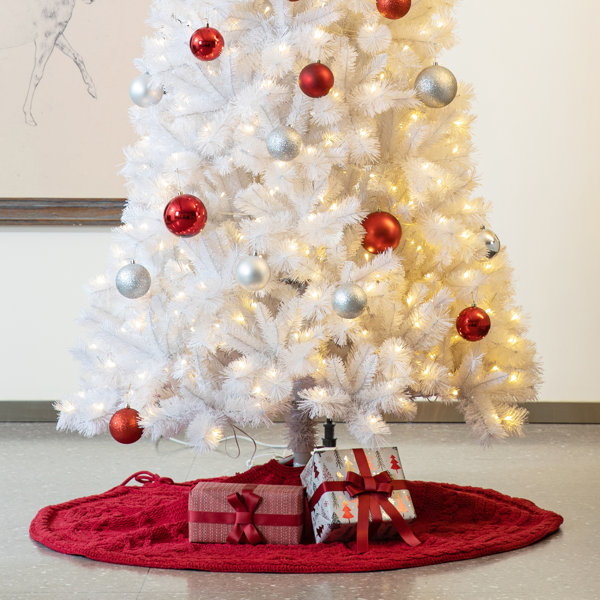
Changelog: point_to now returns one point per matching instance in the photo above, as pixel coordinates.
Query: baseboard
(539, 412)
(41, 411)
(27, 411)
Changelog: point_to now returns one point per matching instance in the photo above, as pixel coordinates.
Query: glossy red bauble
(393, 9)
(206, 43)
(124, 426)
(315, 80)
(473, 323)
(383, 231)
(185, 215)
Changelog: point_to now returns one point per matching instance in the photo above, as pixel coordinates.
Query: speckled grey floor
(555, 466)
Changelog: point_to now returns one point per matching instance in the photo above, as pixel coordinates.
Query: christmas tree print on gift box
(302, 210)
(347, 513)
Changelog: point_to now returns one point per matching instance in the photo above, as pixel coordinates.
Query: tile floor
(555, 466)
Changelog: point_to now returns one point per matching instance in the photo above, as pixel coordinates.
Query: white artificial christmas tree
(250, 319)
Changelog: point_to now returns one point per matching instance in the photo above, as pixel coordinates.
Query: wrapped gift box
(335, 513)
(245, 513)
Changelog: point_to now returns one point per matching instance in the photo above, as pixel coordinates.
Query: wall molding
(61, 211)
(41, 411)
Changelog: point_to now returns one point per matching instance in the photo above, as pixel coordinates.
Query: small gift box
(245, 513)
(358, 494)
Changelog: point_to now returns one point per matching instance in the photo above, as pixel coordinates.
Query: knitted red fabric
(147, 526)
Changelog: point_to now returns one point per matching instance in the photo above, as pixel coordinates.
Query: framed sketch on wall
(66, 66)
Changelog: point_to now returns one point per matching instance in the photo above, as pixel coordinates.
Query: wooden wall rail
(61, 211)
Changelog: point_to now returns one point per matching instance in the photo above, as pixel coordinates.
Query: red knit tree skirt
(147, 526)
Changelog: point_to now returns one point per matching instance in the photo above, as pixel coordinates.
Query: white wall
(43, 273)
(533, 64)
(76, 150)
(534, 67)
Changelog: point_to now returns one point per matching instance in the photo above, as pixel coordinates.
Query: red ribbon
(373, 492)
(244, 519)
(244, 504)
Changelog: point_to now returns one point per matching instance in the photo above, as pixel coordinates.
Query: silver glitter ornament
(284, 143)
(436, 86)
(491, 242)
(143, 93)
(253, 273)
(133, 281)
(349, 300)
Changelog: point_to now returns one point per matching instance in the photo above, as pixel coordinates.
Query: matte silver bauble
(491, 242)
(436, 86)
(133, 281)
(253, 273)
(284, 143)
(349, 300)
(143, 93)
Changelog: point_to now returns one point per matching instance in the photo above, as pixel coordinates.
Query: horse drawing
(42, 22)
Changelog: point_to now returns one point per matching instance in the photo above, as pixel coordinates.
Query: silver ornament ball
(491, 242)
(284, 143)
(133, 281)
(349, 300)
(143, 93)
(253, 273)
(436, 86)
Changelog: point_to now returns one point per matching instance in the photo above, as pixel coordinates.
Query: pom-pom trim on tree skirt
(147, 526)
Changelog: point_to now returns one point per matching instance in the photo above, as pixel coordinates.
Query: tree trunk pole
(302, 431)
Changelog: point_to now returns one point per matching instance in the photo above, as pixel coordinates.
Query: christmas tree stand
(146, 525)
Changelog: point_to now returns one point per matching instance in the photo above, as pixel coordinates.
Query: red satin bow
(373, 493)
(378, 484)
(244, 503)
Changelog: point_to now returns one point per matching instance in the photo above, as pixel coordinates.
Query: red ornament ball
(185, 215)
(316, 80)
(383, 232)
(393, 9)
(473, 323)
(124, 426)
(206, 43)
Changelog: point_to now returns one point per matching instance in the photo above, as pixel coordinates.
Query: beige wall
(533, 66)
